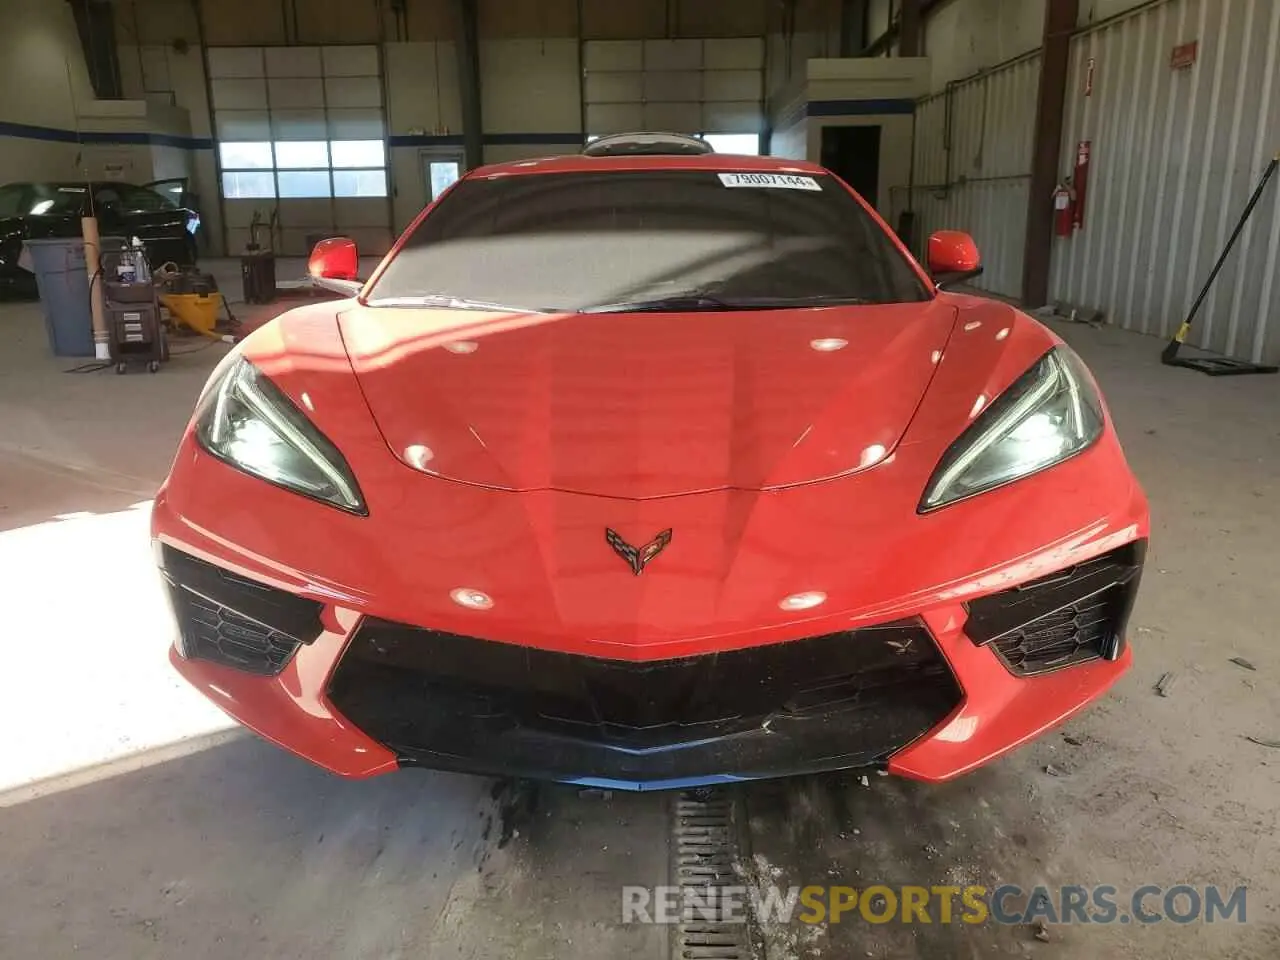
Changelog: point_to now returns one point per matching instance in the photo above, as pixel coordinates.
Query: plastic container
(196, 311)
(58, 264)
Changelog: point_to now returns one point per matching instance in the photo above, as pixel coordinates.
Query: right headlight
(1049, 414)
(247, 421)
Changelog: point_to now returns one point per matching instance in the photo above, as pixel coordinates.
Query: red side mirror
(951, 252)
(334, 259)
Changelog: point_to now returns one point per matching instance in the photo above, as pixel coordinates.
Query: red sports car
(651, 468)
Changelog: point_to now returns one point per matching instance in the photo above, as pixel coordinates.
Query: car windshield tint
(696, 239)
(53, 200)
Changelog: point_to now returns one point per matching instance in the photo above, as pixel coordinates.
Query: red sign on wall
(1185, 55)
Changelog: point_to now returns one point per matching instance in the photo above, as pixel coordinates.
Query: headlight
(245, 420)
(1050, 413)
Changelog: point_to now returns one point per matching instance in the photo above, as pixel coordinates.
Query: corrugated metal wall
(1176, 155)
(972, 173)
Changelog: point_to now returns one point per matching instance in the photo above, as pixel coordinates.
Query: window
(359, 153)
(359, 183)
(133, 199)
(248, 185)
(443, 174)
(581, 241)
(296, 169)
(739, 143)
(245, 156)
(302, 155)
(303, 183)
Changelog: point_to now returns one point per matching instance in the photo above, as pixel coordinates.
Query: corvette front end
(652, 549)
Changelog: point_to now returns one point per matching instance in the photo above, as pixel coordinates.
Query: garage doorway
(853, 154)
(441, 167)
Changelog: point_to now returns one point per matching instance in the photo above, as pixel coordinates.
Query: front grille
(1074, 616)
(228, 619)
(843, 699)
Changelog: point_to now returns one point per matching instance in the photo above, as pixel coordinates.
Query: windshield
(41, 199)
(694, 239)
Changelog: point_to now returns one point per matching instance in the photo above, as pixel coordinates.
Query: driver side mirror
(953, 258)
(335, 264)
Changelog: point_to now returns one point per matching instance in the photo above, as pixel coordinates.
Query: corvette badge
(638, 557)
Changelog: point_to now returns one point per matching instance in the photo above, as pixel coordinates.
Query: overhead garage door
(301, 138)
(709, 86)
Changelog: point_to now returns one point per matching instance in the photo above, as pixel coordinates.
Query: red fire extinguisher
(1064, 209)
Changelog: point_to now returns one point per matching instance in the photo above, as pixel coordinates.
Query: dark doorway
(853, 154)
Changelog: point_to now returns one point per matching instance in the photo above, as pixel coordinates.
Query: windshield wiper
(692, 302)
(682, 303)
(449, 302)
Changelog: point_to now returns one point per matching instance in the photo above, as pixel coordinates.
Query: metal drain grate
(706, 846)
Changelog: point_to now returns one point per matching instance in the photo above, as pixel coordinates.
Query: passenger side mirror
(335, 265)
(953, 258)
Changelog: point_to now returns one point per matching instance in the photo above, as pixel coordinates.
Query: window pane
(360, 183)
(302, 154)
(245, 156)
(443, 175)
(358, 153)
(740, 143)
(311, 183)
(141, 199)
(240, 186)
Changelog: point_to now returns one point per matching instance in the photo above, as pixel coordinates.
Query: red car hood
(645, 405)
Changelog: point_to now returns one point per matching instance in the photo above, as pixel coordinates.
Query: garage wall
(973, 167)
(161, 63)
(42, 78)
(530, 66)
(1176, 155)
(965, 36)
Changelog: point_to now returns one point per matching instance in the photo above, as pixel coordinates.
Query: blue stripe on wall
(29, 131)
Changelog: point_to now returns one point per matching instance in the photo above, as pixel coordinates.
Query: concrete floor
(137, 823)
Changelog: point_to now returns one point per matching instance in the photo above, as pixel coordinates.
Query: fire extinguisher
(1064, 209)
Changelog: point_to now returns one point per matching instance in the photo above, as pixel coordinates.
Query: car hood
(645, 405)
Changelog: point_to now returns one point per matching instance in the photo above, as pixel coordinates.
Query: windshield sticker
(784, 181)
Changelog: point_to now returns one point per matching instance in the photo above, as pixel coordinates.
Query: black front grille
(228, 619)
(1071, 617)
(844, 699)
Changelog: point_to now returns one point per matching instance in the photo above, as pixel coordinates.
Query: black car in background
(157, 213)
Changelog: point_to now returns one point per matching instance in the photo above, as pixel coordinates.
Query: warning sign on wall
(1185, 55)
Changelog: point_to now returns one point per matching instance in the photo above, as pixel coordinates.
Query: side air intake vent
(1070, 617)
(228, 619)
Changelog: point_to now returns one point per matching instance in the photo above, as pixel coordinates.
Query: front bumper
(929, 697)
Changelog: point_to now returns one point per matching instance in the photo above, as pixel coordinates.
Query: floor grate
(706, 846)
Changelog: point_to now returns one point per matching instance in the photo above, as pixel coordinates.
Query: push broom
(1212, 365)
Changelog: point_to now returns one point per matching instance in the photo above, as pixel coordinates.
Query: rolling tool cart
(134, 331)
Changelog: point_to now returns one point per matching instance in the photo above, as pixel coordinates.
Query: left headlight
(246, 420)
(1051, 413)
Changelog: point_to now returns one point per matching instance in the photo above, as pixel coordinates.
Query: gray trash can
(58, 264)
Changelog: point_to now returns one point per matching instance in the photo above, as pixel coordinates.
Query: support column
(1060, 19)
(853, 27)
(909, 29)
(469, 81)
